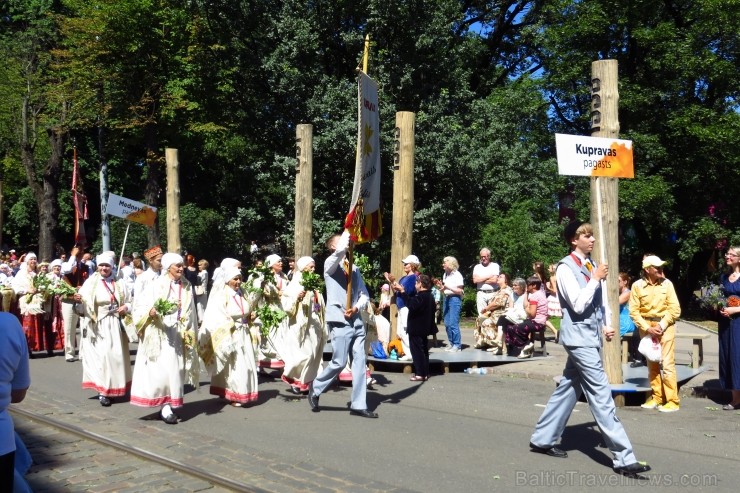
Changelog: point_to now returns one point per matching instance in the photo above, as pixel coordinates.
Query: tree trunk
(48, 202)
(46, 191)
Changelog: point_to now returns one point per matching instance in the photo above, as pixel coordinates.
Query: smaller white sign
(579, 155)
(130, 209)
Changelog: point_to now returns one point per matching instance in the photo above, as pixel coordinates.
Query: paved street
(456, 432)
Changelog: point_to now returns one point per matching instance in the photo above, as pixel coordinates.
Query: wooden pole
(304, 191)
(605, 207)
(173, 201)
(403, 198)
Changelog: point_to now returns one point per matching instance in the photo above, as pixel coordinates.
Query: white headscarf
(104, 259)
(231, 273)
(169, 259)
(31, 255)
(303, 262)
(272, 259)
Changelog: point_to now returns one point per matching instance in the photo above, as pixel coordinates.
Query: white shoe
(495, 351)
(405, 357)
(456, 349)
(449, 349)
(528, 347)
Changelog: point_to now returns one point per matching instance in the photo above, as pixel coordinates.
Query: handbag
(650, 348)
(515, 314)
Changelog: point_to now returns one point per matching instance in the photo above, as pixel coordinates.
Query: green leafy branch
(270, 319)
(311, 281)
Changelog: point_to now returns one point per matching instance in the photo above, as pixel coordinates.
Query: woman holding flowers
(729, 329)
(226, 344)
(167, 358)
(267, 290)
(303, 341)
(30, 289)
(106, 364)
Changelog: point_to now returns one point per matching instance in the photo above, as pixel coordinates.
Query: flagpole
(123, 248)
(366, 55)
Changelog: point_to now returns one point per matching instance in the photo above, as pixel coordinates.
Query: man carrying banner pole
(346, 293)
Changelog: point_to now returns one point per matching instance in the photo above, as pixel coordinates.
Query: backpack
(376, 349)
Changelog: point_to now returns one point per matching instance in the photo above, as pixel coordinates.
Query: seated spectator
(626, 324)
(487, 333)
(519, 336)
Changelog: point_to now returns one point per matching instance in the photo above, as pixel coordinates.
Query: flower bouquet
(43, 285)
(164, 307)
(712, 298)
(63, 289)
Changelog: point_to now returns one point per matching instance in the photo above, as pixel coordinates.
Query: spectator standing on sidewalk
(485, 277)
(654, 308)
(585, 312)
(729, 331)
(420, 307)
(411, 272)
(452, 286)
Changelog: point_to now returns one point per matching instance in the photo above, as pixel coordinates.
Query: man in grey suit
(580, 290)
(346, 327)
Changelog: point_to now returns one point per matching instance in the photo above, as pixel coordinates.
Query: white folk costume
(34, 308)
(106, 364)
(167, 357)
(271, 291)
(302, 342)
(225, 344)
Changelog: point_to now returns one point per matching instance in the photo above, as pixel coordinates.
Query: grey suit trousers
(346, 337)
(584, 372)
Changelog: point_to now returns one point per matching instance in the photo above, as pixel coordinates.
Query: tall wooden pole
(605, 206)
(304, 191)
(173, 201)
(403, 198)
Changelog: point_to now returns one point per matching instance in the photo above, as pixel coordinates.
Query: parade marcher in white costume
(226, 344)
(167, 357)
(106, 364)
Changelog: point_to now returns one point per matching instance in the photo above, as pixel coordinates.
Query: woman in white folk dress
(303, 340)
(167, 357)
(226, 344)
(106, 365)
(270, 292)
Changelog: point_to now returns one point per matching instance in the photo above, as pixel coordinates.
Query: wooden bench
(697, 352)
(626, 347)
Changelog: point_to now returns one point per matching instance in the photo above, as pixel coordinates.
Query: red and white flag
(364, 221)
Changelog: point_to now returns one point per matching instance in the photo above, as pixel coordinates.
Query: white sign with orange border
(579, 155)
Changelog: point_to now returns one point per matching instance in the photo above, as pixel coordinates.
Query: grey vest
(336, 293)
(580, 329)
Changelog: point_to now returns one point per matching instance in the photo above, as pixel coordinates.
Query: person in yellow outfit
(654, 308)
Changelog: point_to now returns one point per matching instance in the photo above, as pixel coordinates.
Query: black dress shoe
(632, 470)
(170, 420)
(295, 390)
(551, 451)
(363, 412)
(104, 401)
(313, 400)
